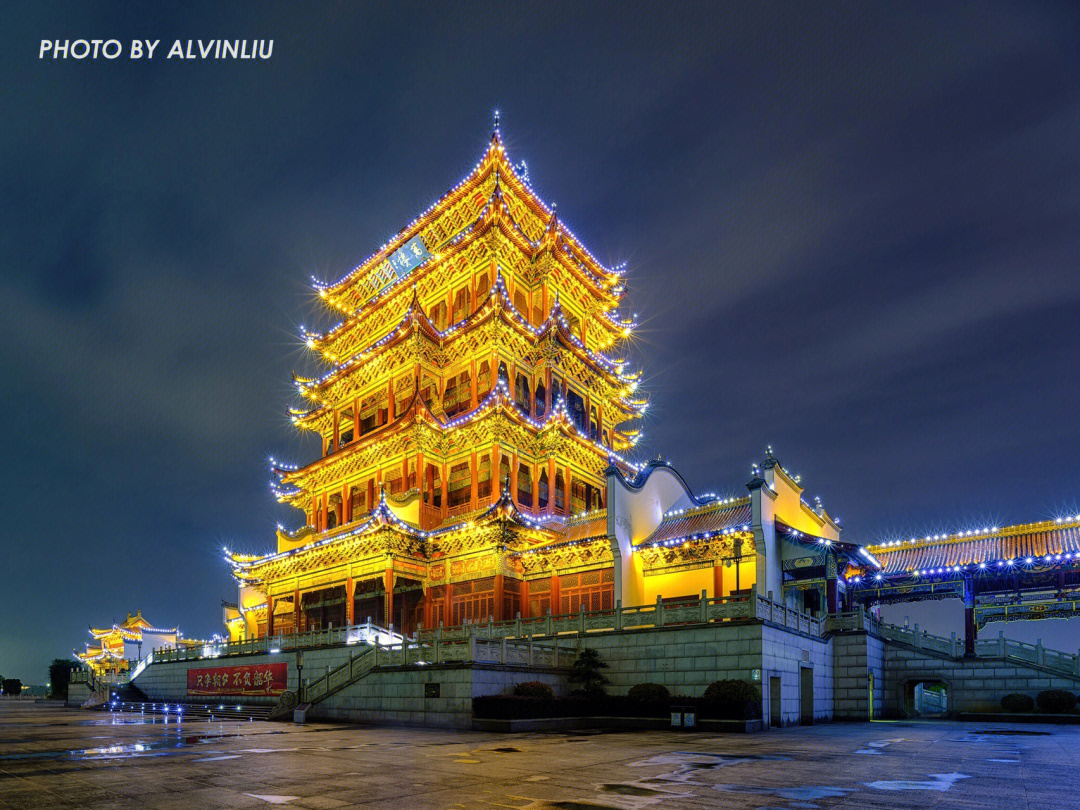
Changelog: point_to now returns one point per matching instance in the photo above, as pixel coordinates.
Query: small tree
(586, 671)
(60, 675)
(12, 687)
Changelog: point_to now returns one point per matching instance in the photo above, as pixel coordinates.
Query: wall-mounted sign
(397, 265)
(252, 680)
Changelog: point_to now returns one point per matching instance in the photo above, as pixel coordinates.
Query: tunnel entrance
(926, 699)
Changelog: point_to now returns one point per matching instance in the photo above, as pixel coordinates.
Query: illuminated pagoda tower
(115, 649)
(470, 405)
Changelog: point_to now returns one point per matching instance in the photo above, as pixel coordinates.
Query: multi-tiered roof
(478, 344)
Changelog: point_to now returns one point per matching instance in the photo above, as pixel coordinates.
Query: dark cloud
(851, 232)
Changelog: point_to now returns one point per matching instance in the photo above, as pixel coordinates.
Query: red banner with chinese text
(254, 679)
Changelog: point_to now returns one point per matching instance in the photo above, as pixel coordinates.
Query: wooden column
(296, 610)
(346, 504)
(498, 606)
(389, 585)
(337, 419)
(350, 601)
(474, 471)
(556, 596)
(551, 487)
(405, 473)
(325, 510)
(568, 496)
(391, 402)
(496, 474)
(536, 489)
(525, 599)
(448, 604)
(269, 616)
(718, 581)
(445, 487)
(473, 396)
(548, 398)
(315, 512)
(514, 478)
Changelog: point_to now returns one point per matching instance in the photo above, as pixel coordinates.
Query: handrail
(405, 653)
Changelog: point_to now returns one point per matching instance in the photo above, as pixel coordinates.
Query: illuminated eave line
(241, 567)
(495, 154)
(446, 252)
(499, 398)
(692, 538)
(507, 310)
(1011, 565)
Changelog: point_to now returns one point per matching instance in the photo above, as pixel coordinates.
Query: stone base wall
(687, 659)
(403, 695)
(972, 684)
(859, 664)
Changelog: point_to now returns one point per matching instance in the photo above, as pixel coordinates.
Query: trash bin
(683, 717)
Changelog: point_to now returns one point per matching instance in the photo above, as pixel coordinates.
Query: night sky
(851, 232)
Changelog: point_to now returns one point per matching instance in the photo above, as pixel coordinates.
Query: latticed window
(538, 400)
(460, 485)
(483, 380)
(473, 601)
(369, 413)
(428, 392)
(461, 304)
(539, 596)
(322, 608)
(524, 485)
(538, 315)
(591, 590)
(560, 493)
(521, 392)
(483, 289)
(438, 316)
(392, 480)
(436, 484)
(403, 393)
(575, 405)
(511, 598)
(542, 491)
(345, 426)
(358, 501)
(437, 595)
(458, 394)
(504, 375)
(577, 497)
(594, 424)
(521, 304)
(483, 478)
(504, 470)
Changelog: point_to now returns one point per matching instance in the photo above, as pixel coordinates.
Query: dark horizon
(850, 234)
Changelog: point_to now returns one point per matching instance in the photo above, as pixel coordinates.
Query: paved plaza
(55, 757)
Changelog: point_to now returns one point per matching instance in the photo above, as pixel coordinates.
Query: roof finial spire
(495, 121)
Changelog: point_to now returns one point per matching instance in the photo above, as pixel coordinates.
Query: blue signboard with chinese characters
(397, 265)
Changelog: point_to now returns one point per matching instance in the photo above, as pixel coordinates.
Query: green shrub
(732, 700)
(586, 670)
(1017, 703)
(534, 689)
(1056, 700)
(651, 693)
